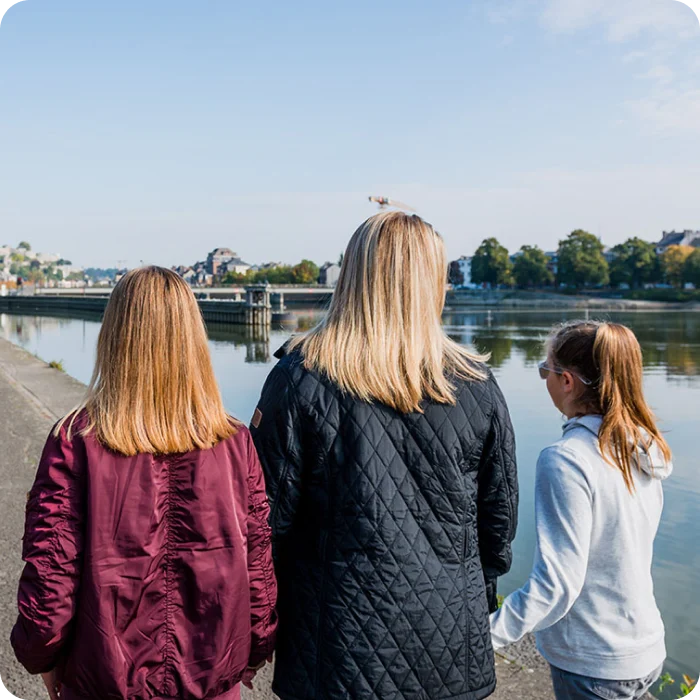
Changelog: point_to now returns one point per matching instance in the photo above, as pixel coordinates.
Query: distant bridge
(281, 295)
(255, 305)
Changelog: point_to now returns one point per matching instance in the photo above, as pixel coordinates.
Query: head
(596, 368)
(153, 387)
(383, 338)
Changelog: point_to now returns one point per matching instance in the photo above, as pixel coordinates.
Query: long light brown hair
(608, 355)
(153, 387)
(382, 338)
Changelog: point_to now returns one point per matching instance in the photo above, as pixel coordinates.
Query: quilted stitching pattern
(386, 527)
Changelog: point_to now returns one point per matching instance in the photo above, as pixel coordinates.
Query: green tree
(530, 268)
(306, 272)
(581, 261)
(691, 271)
(635, 263)
(491, 264)
(24, 245)
(673, 263)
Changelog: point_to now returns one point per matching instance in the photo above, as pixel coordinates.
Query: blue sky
(157, 130)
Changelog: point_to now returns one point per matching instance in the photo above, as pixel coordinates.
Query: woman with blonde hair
(598, 502)
(148, 560)
(389, 459)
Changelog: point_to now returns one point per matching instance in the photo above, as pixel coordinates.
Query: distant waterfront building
(687, 237)
(47, 258)
(329, 274)
(464, 267)
(552, 261)
(235, 265)
(217, 258)
(266, 266)
(609, 255)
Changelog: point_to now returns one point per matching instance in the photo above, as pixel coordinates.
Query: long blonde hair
(153, 387)
(382, 338)
(609, 357)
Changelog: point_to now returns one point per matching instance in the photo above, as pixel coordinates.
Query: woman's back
(388, 526)
(162, 542)
(148, 562)
(615, 608)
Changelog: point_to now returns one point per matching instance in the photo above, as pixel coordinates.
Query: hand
(250, 673)
(52, 684)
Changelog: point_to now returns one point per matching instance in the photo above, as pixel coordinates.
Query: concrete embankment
(32, 397)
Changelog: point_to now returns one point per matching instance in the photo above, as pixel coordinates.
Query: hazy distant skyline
(157, 131)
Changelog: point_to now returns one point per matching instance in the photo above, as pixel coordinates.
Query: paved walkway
(32, 397)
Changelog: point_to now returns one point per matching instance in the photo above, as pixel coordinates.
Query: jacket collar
(591, 423)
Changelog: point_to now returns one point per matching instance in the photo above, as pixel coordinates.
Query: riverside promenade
(33, 397)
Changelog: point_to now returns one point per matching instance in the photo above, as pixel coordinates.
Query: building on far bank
(218, 257)
(552, 261)
(235, 265)
(686, 237)
(461, 273)
(329, 274)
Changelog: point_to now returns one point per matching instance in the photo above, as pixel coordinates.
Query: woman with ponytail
(598, 499)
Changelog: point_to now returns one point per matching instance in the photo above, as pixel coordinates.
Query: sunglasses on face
(545, 369)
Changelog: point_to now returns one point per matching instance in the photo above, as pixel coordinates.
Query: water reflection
(670, 341)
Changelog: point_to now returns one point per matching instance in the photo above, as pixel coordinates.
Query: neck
(575, 411)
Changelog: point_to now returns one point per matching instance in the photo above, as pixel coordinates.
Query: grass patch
(667, 295)
(57, 364)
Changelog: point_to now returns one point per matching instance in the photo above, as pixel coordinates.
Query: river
(671, 346)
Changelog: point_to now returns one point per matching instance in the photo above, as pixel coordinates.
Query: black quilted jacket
(389, 531)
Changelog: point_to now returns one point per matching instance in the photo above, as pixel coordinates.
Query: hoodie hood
(650, 460)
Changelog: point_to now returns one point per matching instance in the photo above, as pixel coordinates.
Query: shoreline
(457, 300)
(33, 396)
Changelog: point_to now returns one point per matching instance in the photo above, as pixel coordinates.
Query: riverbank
(458, 299)
(33, 397)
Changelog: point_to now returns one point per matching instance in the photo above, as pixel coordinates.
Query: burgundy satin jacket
(147, 576)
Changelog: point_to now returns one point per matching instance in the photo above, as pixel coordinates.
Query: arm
(263, 586)
(52, 550)
(563, 507)
(275, 433)
(497, 499)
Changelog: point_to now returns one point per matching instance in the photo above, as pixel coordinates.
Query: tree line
(581, 262)
(305, 272)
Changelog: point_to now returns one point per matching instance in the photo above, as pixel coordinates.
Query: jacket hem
(613, 668)
(232, 694)
(478, 694)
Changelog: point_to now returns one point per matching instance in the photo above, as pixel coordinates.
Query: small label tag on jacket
(257, 417)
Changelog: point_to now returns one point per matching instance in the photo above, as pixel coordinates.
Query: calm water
(671, 345)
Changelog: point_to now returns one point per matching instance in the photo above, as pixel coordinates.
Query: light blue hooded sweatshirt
(590, 597)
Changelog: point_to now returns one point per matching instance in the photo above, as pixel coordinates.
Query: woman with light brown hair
(598, 502)
(148, 562)
(390, 464)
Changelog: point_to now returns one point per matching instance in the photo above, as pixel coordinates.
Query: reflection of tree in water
(532, 349)
(497, 342)
(669, 340)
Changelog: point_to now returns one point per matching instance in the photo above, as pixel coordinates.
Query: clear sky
(156, 130)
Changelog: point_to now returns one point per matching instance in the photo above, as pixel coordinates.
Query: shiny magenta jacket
(147, 576)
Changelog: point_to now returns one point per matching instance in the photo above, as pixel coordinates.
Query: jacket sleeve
(275, 430)
(263, 586)
(564, 518)
(52, 551)
(497, 511)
